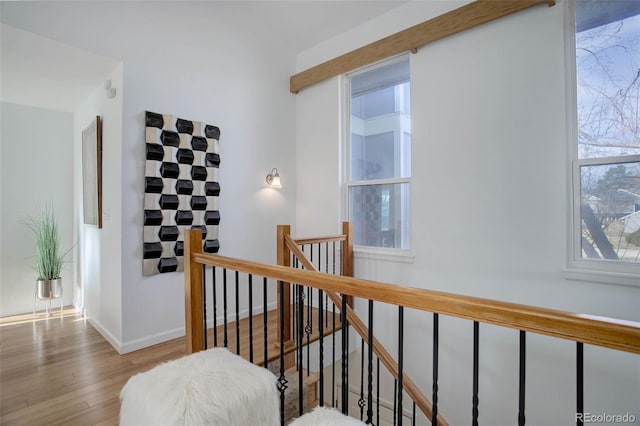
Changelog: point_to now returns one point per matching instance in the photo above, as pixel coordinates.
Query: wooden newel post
(347, 254)
(194, 313)
(284, 259)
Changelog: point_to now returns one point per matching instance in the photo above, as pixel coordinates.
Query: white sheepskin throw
(323, 416)
(213, 387)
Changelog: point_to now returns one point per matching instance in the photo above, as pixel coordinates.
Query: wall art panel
(181, 189)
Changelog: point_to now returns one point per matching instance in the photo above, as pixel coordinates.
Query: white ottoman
(322, 416)
(213, 387)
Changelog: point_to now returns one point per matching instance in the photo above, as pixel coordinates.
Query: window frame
(578, 268)
(404, 255)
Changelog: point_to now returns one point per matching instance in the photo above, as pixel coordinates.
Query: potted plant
(49, 259)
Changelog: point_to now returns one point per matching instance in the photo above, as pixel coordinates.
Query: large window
(379, 154)
(606, 170)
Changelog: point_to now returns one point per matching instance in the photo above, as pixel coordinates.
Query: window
(606, 172)
(379, 154)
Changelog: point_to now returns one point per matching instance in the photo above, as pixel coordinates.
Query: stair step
(310, 383)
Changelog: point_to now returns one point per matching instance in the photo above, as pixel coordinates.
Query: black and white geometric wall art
(181, 189)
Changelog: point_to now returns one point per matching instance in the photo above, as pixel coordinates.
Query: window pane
(610, 209)
(380, 215)
(372, 156)
(381, 123)
(608, 78)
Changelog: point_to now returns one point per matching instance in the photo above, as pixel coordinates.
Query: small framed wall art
(92, 173)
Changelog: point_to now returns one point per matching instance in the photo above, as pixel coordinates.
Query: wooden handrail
(455, 21)
(600, 331)
(346, 247)
(316, 240)
(385, 357)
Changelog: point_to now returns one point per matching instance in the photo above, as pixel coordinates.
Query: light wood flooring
(60, 371)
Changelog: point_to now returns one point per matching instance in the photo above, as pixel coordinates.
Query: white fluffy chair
(322, 416)
(213, 387)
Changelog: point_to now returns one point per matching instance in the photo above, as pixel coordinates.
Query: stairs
(310, 390)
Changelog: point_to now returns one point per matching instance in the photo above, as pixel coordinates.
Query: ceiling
(41, 72)
(44, 73)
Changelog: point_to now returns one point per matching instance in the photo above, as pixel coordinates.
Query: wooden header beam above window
(465, 17)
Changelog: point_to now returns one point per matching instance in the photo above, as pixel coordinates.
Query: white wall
(36, 152)
(489, 210)
(240, 86)
(97, 288)
(210, 68)
(318, 131)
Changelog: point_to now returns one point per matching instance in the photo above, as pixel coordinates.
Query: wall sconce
(273, 179)
(111, 91)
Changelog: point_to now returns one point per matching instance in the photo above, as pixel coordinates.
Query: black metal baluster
(395, 401)
(299, 351)
(321, 354)
(361, 401)
(237, 313)
(264, 321)
(334, 258)
(334, 402)
(326, 258)
(296, 309)
(476, 336)
(307, 328)
(400, 360)
(310, 303)
(215, 309)
(282, 381)
(295, 306)
(413, 416)
(251, 318)
(345, 356)
(377, 390)
(521, 386)
(204, 303)
(224, 307)
(579, 383)
(326, 271)
(434, 398)
(333, 266)
(370, 365)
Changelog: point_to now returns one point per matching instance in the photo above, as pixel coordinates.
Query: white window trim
(365, 252)
(577, 268)
(384, 254)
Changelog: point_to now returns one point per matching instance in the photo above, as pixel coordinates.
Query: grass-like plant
(49, 260)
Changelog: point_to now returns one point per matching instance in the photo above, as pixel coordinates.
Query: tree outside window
(607, 172)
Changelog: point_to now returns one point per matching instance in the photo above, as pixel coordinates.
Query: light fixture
(273, 179)
(111, 91)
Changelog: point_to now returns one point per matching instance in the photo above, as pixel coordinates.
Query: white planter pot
(49, 289)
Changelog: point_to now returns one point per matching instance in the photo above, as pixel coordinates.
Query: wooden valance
(455, 21)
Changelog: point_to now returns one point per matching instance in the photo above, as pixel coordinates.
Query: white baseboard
(113, 341)
(154, 339)
(164, 336)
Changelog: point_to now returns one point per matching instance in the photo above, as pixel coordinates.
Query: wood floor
(60, 371)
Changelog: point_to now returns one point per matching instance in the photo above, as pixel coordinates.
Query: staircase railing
(342, 266)
(580, 328)
(290, 247)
